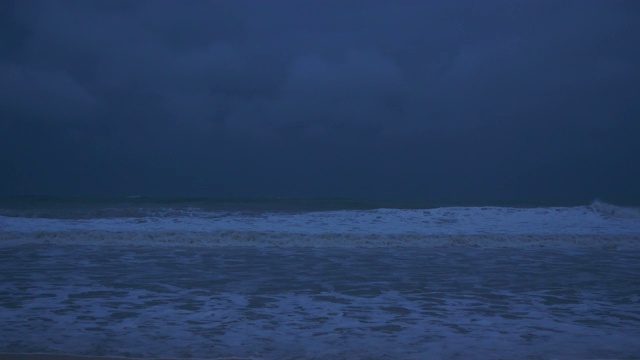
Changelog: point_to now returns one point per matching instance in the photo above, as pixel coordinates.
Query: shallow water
(275, 303)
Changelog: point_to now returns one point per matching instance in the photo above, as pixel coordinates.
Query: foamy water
(443, 283)
(381, 227)
(275, 303)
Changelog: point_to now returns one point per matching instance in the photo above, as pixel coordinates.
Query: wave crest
(615, 211)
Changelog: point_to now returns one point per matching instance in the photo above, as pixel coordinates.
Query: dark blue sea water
(253, 280)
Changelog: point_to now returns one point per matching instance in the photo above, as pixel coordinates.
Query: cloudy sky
(445, 100)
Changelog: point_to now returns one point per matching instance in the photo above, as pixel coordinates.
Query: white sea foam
(610, 210)
(321, 303)
(596, 224)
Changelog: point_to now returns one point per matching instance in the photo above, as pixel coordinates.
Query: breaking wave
(599, 224)
(610, 210)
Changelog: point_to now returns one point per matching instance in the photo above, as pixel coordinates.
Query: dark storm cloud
(518, 100)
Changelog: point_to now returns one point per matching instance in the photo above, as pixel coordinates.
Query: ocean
(318, 279)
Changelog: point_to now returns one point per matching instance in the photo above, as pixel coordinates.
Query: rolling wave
(598, 224)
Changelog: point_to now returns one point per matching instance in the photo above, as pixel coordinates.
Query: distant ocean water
(287, 278)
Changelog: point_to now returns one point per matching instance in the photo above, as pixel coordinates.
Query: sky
(443, 100)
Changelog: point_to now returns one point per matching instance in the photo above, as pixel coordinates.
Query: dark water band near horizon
(272, 204)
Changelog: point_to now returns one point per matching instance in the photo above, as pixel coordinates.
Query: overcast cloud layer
(443, 100)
